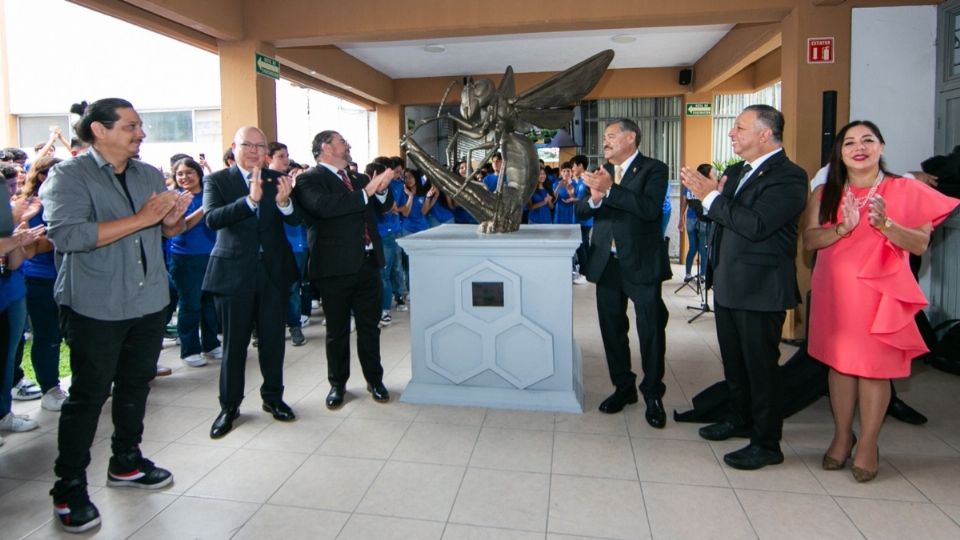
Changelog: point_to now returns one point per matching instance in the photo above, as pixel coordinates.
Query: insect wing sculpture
(498, 117)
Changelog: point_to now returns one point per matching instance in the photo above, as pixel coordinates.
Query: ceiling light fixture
(434, 48)
(623, 38)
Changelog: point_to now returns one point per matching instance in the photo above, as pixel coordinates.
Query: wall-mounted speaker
(828, 125)
(686, 76)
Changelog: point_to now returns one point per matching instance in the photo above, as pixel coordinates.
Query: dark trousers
(266, 306)
(299, 300)
(359, 294)
(123, 353)
(584, 248)
(750, 349)
(11, 328)
(197, 324)
(651, 314)
(44, 318)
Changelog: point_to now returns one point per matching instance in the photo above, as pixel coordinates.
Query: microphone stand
(701, 289)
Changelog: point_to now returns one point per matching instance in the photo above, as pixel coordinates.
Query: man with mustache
(628, 260)
(105, 212)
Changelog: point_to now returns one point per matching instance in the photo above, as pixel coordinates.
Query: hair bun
(78, 108)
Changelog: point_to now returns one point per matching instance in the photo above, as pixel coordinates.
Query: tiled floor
(371, 471)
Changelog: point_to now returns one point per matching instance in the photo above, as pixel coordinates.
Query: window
(168, 126)
(725, 111)
(659, 121)
(36, 129)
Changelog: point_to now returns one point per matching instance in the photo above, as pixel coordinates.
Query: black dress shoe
(280, 410)
(752, 457)
(618, 400)
(656, 416)
(722, 431)
(335, 397)
(379, 392)
(224, 422)
(905, 413)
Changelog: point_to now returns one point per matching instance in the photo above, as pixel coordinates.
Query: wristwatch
(887, 223)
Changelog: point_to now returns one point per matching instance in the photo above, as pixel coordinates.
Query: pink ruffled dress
(864, 297)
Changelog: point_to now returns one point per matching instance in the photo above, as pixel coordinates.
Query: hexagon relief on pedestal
(500, 339)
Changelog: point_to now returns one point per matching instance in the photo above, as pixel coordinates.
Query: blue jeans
(44, 316)
(197, 317)
(295, 306)
(391, 275)
(696, 244)
(11, 324)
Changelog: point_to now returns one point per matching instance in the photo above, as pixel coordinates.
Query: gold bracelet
(837, 230)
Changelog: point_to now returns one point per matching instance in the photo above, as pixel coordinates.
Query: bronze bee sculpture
(498, 117)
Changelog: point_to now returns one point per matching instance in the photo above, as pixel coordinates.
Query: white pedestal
(491, 318)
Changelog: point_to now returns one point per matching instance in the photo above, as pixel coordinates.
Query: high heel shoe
(831, 464)
(863, 475)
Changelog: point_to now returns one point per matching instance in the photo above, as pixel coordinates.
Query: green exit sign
(268, 67)
(699, 109)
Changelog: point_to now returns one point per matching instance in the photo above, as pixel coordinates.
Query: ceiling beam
(288, 23)
(222, 19)
(742, 46)
(336, 68)
(127, 12)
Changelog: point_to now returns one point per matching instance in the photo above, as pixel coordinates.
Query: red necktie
(346, 181)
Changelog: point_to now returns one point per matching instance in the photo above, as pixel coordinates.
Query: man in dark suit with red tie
(752, 270)
(628, 260)
(250, 272)
(340, 210)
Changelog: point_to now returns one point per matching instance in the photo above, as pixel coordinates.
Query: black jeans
(123, 353)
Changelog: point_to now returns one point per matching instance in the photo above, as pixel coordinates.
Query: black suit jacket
(753, 252)
(240, 234)
(632, 214)
(335, 218)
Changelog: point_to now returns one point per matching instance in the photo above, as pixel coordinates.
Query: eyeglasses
(257, 147)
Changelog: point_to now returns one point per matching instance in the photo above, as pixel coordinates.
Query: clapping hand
(878, 211)
(256, 185)
(25, 209)
(158, 206)
(599, 183)
(700, 185)
(27, 236)
(284, 187)
(379, 182)
(182, 202)
(850, 214)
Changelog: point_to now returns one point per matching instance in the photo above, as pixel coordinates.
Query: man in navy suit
(340, 209)
(250, 272)
(756, 212)
(628, 259)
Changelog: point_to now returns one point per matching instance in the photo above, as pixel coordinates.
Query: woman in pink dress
(864, 224)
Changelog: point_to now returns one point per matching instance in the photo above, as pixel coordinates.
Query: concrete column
(246, 98)
(389, 129)
(802, 98)
(695, 148)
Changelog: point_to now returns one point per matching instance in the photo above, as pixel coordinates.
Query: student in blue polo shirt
(197, 323)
